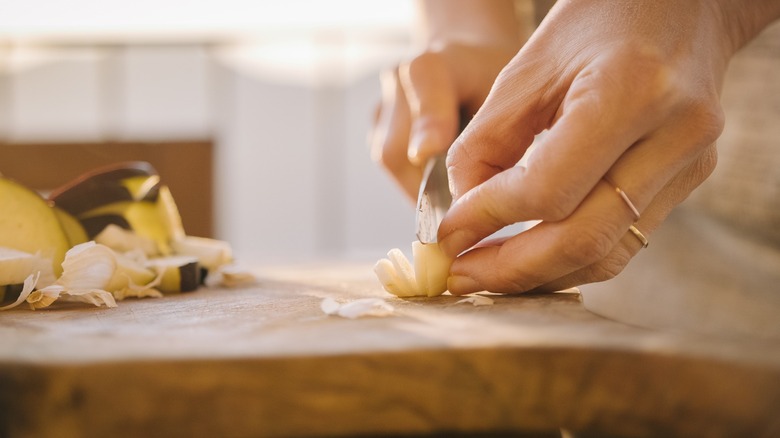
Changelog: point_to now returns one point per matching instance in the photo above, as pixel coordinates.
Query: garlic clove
(428, 277)
(404, 272)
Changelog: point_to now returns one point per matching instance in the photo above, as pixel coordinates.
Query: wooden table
(266, 361)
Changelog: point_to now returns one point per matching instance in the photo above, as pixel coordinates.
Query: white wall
(266, 172)
(378, 215)
(5, 89)
(161, 92)
(87, 94)
(54, 95)
(295, 178)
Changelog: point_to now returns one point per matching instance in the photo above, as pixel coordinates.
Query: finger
(521, 263)
(656, 213)
(390, 137)
(515, 195)
(498, 134)
(599, 117)
(587, 121)
(547, 251)
(434, 103)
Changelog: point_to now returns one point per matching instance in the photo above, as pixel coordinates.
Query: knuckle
(421, 64)
(586, 244)
(700, 169)
(506, 275)
(707, 161)
(552, 202)
(707, 118)
(609, 267)
(511, 279)
(647, 74)
(497, 211)
(392, 160)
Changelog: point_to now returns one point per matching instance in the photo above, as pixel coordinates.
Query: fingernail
(461, 285)
(413, 151)
(422, 144)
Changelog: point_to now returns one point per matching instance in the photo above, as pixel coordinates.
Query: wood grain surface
(266, 361)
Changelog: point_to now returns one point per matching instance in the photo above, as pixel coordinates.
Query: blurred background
(255, 112)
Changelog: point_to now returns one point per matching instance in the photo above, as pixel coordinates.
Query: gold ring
(639, 236)
(625, 198)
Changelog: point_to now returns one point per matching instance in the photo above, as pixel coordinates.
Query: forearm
(475, 22)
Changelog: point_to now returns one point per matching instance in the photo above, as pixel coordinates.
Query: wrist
(743, 20)
(469, 22)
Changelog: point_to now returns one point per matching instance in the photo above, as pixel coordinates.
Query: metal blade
(434, 199)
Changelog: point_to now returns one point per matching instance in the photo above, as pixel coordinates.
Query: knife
(433, 200)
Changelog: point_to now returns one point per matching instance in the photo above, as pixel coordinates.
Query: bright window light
(123, 18)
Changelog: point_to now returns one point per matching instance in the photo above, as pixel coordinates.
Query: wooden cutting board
(266, 361)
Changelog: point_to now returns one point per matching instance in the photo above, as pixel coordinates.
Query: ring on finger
(638, 234)
(624, 197)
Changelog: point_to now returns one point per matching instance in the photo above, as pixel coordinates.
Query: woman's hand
(629, 95)
(465, 44)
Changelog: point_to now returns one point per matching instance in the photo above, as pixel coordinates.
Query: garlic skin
(95, 274)
(88, 265)
(42, 298)
(477, 300)
(211, 253)
(29, 285)
(121, 240)
(364, 307)
(120, 262)
(16, 266)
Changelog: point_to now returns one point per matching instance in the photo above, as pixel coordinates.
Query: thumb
(433, 100)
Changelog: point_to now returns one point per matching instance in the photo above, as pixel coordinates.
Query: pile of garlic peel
(428, 276)
(97, 274)
(112, 233)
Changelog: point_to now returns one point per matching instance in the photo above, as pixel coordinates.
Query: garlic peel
(88, 266)
(230, 275)
(357, 308)
(29, 285)
(211, 253)
(16, 266)
(42, 298)
(121, 240)
(476, 300)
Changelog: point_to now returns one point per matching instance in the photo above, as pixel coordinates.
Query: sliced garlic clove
(404, 271)
(432, 267)
(385, 272)
(428, 277)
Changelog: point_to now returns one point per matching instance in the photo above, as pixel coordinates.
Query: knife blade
(434, 199)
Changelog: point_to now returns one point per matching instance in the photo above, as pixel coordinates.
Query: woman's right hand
(424, 98)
